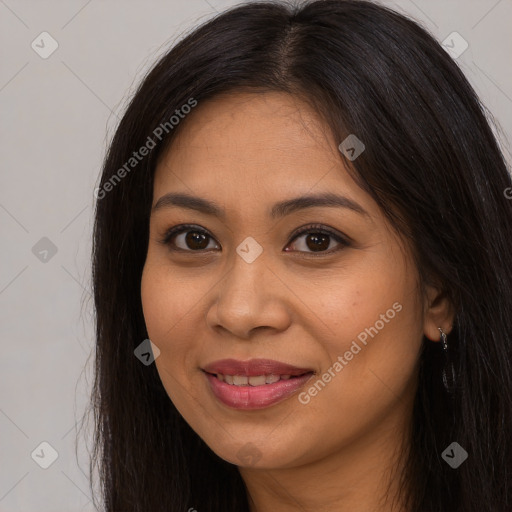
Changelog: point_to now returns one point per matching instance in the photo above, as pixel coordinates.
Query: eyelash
(305, 230)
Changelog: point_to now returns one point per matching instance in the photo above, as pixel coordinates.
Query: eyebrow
(280, 209)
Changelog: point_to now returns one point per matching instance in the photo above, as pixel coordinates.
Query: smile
(258, 380)
(254, 384)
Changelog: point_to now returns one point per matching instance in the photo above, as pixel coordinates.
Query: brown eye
(187, 238)
(196, 240)
(319, 239)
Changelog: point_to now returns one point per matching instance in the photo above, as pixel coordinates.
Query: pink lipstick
(256, 383)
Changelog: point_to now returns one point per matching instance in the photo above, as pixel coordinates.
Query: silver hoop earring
(448, 372)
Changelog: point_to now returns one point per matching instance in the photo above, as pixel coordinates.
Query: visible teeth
(257, 381)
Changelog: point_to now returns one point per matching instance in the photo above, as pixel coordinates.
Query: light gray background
(57, 116)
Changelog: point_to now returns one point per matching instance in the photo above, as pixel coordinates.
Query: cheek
(374, 336)
(165, 301)
(371, 360)
(362, 386)
(356, 300)
(167, 310)
(154, 302)
(165, 307)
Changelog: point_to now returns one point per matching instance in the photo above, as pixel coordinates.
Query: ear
(438, 312)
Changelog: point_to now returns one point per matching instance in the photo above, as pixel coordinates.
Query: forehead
(267, 145)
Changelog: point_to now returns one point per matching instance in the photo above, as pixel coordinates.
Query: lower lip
(255, 397)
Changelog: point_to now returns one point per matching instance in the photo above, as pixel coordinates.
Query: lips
(254, 384)
(254, 367)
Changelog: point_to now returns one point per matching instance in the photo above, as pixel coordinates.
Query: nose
(250, 296)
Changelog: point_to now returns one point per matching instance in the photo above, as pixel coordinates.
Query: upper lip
(254, 367)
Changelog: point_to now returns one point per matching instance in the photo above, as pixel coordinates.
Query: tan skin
(246, 152)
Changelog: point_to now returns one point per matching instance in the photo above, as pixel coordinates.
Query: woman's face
(239, 284)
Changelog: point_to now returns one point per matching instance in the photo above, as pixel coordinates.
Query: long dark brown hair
(431, 163)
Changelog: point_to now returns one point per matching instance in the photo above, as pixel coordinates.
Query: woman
(305, 210)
